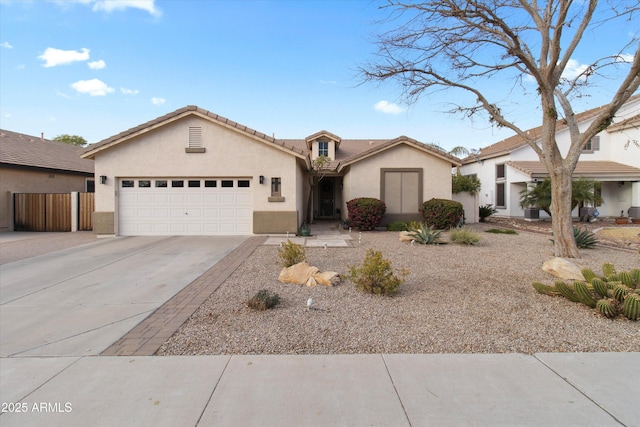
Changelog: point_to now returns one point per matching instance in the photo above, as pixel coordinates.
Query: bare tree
(461, 44)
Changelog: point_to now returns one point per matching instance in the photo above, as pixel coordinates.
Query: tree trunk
(562, 225)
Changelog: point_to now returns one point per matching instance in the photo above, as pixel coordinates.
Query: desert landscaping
(455, 299)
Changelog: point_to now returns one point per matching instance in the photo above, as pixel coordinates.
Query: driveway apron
(78, 301)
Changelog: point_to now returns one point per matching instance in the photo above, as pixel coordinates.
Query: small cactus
(625, 278)
(631, 306)
(620, 292)
(600, 287)
(588, 274)
(584, 295)
(567, 291)
(608, 269)
(607, 307)
(545, 289)
(635, 275)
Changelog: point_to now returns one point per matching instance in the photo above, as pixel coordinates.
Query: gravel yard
(456, 299)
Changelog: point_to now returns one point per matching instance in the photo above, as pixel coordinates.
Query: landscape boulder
(305, 274)
(563, 269)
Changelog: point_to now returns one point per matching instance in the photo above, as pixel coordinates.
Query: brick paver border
(147, 337)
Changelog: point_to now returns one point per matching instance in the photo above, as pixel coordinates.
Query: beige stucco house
(30, 164)
(194, 172)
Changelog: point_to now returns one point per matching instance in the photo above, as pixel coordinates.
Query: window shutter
(195, 137)
(595, 143)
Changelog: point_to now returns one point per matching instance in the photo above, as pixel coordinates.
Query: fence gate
(86, 206)
(50, 212)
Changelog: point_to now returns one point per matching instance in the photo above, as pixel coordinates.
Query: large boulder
(305, 274)
(563, 269)
(298, 274)
(327, 278)
(406, 236)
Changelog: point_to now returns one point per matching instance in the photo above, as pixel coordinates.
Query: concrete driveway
(80, 300)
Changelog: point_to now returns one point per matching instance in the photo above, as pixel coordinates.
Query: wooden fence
(51, 212)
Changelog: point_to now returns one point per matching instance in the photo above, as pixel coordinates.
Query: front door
(326, 196)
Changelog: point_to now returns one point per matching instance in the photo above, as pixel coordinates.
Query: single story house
(30, 164)
(194, 172)
(611, 158)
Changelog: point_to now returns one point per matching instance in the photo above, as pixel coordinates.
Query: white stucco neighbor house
(192, 172)
(612, 158)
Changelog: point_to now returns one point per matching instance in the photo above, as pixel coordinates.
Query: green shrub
(398, 226)
(376, 275)
(414, 225)
(264, 300)
(468, 183)
(291, 253)
(442, 214)
(501, 231)
(464, 236)
(366, 213)
(427, 236)
(485, 211)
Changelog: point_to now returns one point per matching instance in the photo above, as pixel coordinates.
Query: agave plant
(426, 235)
(585, 239)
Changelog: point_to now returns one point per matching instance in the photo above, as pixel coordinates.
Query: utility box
(532, 214)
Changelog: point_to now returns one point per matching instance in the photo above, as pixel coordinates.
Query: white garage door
(184, 206)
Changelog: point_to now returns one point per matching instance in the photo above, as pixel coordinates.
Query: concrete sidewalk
(586, 389)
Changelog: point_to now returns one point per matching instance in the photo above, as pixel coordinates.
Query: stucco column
(74, 211)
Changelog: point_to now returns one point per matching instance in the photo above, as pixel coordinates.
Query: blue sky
(98, 67)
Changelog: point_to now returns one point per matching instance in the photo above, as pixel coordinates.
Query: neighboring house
(611, 157)
(30, 164)
(194, 172)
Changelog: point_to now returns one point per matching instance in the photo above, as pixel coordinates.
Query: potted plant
(305, 230)
(622, 219)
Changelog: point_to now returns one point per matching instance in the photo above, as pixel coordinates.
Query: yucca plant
(585, 239)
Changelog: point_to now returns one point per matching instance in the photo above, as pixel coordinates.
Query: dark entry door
(326, 196)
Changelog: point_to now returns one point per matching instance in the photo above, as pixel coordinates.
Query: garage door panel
(165, 210)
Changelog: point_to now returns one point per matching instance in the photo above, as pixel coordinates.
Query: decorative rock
(305, 274)
(327, 278)
(406, 236)
(298, 274)
(563, 269)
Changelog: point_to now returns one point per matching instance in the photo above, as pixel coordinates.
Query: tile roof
(508, 145)
(92, 149)
(589, 169)
(350, 149)
(18, 149)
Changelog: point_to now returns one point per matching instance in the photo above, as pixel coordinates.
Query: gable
(183, 113)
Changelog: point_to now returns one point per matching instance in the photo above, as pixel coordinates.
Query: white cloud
(6, 45)
(93, 87)
(129, 91)
(63, 95)
(388, 107)
(158, 101)
(111, 5)
(97, 65)
(573, 69)
(53, 57)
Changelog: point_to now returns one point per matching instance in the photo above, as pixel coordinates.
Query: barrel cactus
(611, 294)
(631, 306)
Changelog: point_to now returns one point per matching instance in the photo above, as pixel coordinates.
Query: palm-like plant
(582, 191)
